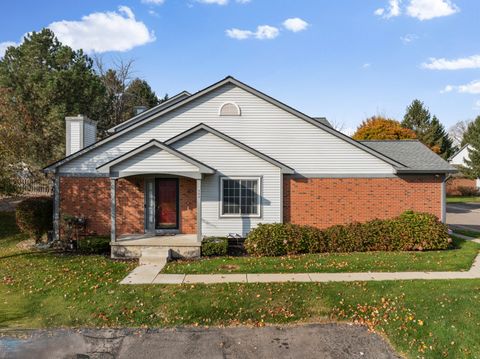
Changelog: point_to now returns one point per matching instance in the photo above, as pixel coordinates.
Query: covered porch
(156, 195)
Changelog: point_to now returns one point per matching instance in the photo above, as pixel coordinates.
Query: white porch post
(444, 199)
(199, 210)
(113, 209)
(56, 208)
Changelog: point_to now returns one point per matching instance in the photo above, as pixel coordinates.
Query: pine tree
(428, 130)
(472, 137)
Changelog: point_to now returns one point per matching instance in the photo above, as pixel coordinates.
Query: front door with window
(166, 203)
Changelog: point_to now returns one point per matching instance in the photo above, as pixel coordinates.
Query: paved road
(466, 215)
(308, 341)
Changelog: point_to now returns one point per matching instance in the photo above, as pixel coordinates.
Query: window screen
(240, 196)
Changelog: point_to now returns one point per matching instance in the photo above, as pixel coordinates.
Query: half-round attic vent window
(229, 109)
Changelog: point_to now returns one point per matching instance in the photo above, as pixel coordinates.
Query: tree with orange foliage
(382, 128)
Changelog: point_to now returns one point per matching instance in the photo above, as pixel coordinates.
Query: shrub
(94, 245)
(34, 216)
(409, 232)
(214, 246)
(466, 191)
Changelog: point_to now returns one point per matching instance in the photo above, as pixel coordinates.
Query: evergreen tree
(139, 93)
(428, 130)
(41, 82)
(472, 137)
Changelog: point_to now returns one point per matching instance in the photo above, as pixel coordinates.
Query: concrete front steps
(158, 256)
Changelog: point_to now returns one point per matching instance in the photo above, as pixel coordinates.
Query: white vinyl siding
(89, 134)
(232, 161)
(75, 131)
(263, 126)
(460, 157)
(154, 160)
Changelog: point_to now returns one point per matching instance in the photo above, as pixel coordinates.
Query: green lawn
(459, 259)
(468, 233)
(462, 199)
(429, 319)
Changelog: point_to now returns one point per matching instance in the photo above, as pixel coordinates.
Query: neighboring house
(227, 158)
(457, 181)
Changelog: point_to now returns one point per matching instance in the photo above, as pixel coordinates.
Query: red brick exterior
(188, 205)
(455, 182)
(323, 202)
(130, 209)
(89, 198)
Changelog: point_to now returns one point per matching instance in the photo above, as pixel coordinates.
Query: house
(224, 159)
(458, 181)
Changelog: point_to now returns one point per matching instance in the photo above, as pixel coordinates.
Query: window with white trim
(240, 196)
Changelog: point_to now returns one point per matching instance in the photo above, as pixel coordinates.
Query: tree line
(41, 82)
(418, 123)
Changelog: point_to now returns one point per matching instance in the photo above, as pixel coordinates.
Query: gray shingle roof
(323, 120)
(413, 154)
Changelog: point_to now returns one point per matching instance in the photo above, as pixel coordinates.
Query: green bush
(94, 245)
(411, 231)
(214, 246)
(466, 191)
(34, 216)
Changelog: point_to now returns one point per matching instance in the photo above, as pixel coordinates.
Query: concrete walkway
(148, 274)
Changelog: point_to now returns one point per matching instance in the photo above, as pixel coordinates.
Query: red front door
(166, 203)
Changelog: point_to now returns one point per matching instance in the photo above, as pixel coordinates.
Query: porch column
(444, 199)
(199, 210)
(113, 209)
(56, 208)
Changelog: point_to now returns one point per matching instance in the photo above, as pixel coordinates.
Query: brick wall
(454, 182)
(87, 197)
(188, 205)
(130, 206)
(323, 202)
(90, 198)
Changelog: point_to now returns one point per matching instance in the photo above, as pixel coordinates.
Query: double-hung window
(240, 196)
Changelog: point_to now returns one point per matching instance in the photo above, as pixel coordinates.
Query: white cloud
(239, 34)
(263, 32)
(295, 24)
(243, 1)
(393, 9)
(476, 106)
(5, 45)
(408, 38)
(266, 32)
(366, 65)
(153, 2)
(217, 2)
(429, 9)
(104, 31)
(471, 62)
(470, 88)
(420, 9)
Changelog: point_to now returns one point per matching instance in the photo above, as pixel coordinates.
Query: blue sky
(343, 59)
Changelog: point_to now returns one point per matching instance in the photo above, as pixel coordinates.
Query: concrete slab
(169, 279)
(278, 277)
(142, 275)
(215, 278)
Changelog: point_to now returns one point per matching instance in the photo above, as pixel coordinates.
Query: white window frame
(259, 197)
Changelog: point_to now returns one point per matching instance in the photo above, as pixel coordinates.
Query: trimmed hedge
(214, 246)
(411, 231)
(34, 216)
(94, 245)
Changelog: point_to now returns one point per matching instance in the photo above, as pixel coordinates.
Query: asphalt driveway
(464, 215)
(306, 341)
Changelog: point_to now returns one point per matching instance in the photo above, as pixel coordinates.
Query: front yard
(420, 318)
(459, 259)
